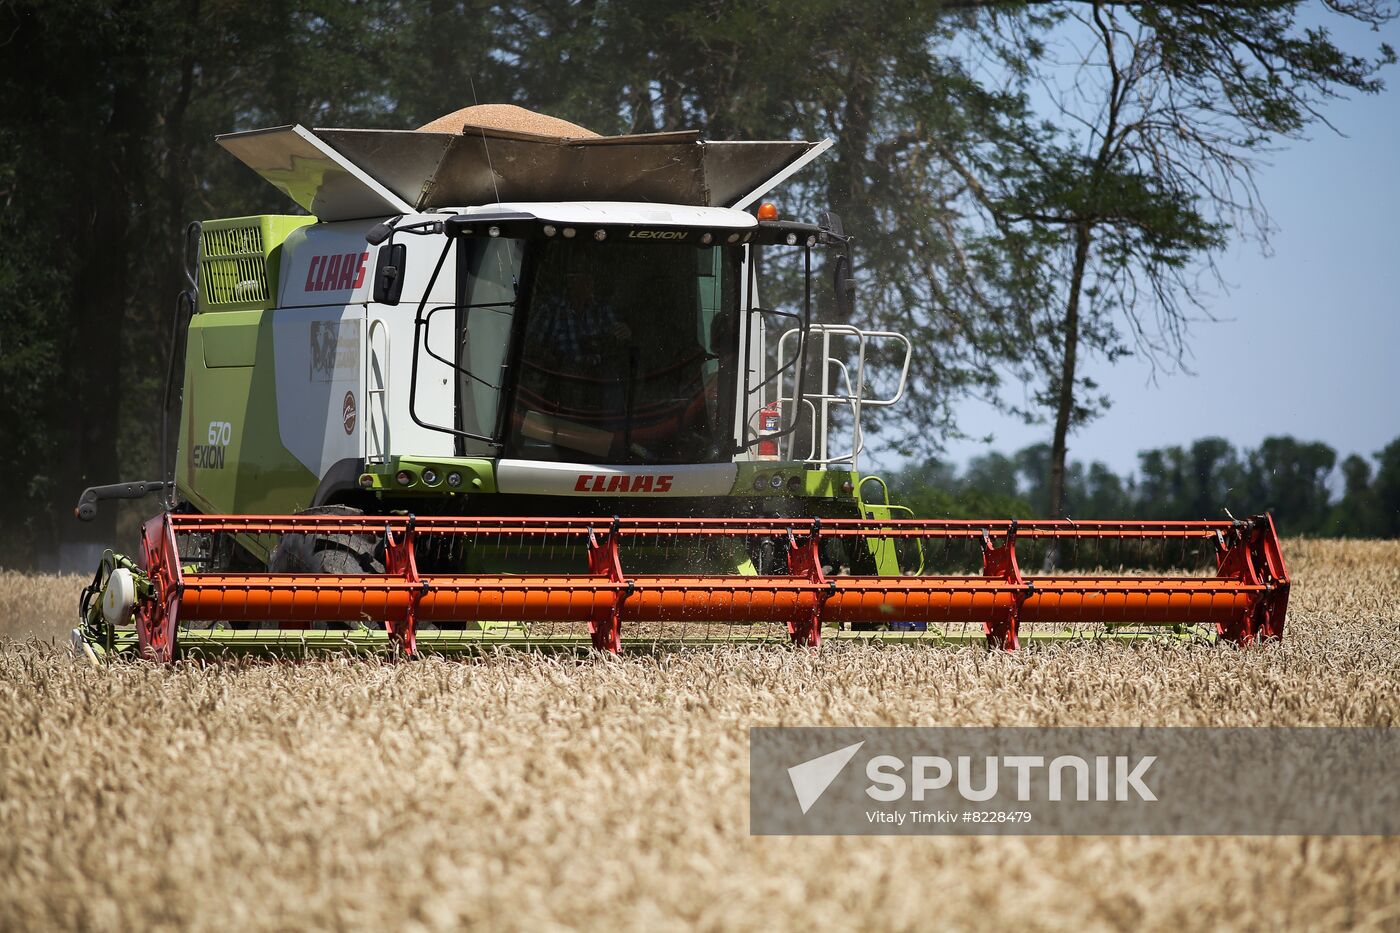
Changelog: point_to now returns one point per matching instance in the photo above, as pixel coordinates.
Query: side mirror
(389, 273)
(843, 285)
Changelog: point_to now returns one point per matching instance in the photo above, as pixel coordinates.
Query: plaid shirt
(578, 336)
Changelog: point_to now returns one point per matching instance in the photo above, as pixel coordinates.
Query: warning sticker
(335, 350)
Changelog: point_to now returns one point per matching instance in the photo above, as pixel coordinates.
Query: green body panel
(478, 476)
(230, 339)
(829, 494)
(230, 458)
(882, 549)
(795, 480)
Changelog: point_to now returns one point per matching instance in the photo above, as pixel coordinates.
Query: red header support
(805, 561)
(1003, 627)
(400, 561)
(1250, 553)
(605, 624)
(158, 617)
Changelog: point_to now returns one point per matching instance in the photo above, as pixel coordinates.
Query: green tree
(1106, 494)
(106, 151)
(1201, 481)
(1032, 470)
(1357, 515)
(1148, 169)
(940, 167)
(1161, 485)
(1289, 478)
(1387, 490)
(934, 489)
(991, 474)
(1215, 478)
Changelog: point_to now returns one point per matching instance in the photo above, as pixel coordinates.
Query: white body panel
(588, 479)
(314, 266)
(320, 353)
(391, 428)
(335, 350)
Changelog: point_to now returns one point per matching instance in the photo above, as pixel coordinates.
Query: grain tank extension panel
(345, 174)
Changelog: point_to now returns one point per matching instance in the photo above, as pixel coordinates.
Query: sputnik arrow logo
(811, 778)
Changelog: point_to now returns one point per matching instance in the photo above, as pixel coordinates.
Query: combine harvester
(566, 331)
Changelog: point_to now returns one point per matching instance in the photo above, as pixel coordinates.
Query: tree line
(1033, 185)
(1303, 484)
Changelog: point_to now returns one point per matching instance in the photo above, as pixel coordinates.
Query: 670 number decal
(210, 456)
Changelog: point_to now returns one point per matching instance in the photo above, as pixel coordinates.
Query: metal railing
(837, 388)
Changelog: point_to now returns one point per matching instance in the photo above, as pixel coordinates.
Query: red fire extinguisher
(768, 419)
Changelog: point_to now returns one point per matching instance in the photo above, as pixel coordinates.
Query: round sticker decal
(347, 412)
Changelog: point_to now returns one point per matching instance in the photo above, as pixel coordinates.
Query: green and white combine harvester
(505, 389)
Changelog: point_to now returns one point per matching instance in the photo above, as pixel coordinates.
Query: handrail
(872, 477)
(854, 395)
(377, 325)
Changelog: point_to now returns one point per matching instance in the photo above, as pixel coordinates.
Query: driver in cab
(581, 331)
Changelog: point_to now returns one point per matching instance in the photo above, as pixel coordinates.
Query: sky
(1308, 338)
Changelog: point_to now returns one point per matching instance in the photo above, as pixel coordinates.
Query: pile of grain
(505, 117)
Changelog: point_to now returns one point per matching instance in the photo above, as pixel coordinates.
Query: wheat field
(534, 792)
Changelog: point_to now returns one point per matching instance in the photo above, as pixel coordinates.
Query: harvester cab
(567, 333)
